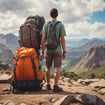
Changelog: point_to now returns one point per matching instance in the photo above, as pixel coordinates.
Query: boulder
(87, 81)
(65, 81)
(5, 78)
(9, 102)
(102, 91)
(82, 99)
(99, 84)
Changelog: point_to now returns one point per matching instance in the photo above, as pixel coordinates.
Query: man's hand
(64, 55)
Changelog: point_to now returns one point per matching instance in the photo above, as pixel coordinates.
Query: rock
(5, 78)
(23, 104)
(102, 91)
(41, 103)
(76, 83)
(83, 99)
(6, 89)
(6, 92)
(90, 99)
(100, 84)
(65, 82)
(62, 78)
(63, 101)
(87, 81)
(52, 100)
(68, 80)
(1, 102)
(9, 102)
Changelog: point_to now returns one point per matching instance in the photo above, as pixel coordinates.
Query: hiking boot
(57, 89)
(48, 87)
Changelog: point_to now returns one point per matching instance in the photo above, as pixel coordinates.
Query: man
(55, 55)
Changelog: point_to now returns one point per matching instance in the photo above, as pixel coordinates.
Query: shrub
(71, 75)
(92, 76)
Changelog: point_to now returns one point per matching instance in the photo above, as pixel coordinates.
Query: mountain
(102, 39)
(10, 40)
(74, 43)
(76, 53)
(6, 55)
(92, 43)
(69, 64)
(95, 58)
(1, 35)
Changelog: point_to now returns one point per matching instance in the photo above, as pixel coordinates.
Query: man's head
(53, 12)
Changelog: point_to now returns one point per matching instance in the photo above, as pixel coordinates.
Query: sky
(81, 18)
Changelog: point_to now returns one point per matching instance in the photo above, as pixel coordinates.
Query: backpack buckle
(23, 55)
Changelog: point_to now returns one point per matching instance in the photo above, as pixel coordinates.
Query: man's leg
(49, 60)
(48, 75)
(57, 65)
(56, 88)
(56, 76)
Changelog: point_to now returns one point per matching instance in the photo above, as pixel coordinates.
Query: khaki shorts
(56, 57)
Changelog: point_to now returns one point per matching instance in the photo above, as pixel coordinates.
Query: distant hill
(1, 35)
(92, 43)
(6, 55)
(74, 43)
(10, 40)
(76, 53)
(95, 58)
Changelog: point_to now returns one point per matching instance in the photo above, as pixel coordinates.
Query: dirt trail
(43, 97)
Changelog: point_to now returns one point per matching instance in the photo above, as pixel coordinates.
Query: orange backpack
(26, 65)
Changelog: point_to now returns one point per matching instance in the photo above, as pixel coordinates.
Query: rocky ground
(81, 92)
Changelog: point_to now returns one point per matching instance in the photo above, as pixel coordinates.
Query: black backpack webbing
(15, 68)
(33, 63)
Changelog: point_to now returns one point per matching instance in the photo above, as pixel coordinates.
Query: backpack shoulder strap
(55, 27)
(57, 23)
(49, 22)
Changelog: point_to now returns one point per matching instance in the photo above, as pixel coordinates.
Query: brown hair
(53, 12)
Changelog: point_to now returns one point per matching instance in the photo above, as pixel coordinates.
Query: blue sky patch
(98, 17)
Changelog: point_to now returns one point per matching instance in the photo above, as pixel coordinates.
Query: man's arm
(63, 46)
(43, 44)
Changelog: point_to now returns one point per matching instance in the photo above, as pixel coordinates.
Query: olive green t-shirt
(60, 31)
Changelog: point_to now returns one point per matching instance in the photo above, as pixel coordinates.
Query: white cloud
(73, 13)
(77, 10)
(86, 30)
(10, 24)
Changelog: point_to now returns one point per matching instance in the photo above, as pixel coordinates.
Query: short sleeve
(44, 30)
(62, 30)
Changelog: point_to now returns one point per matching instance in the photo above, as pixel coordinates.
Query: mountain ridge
(10, 40)
(76, 53)
(92, 43)
(93, 59)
